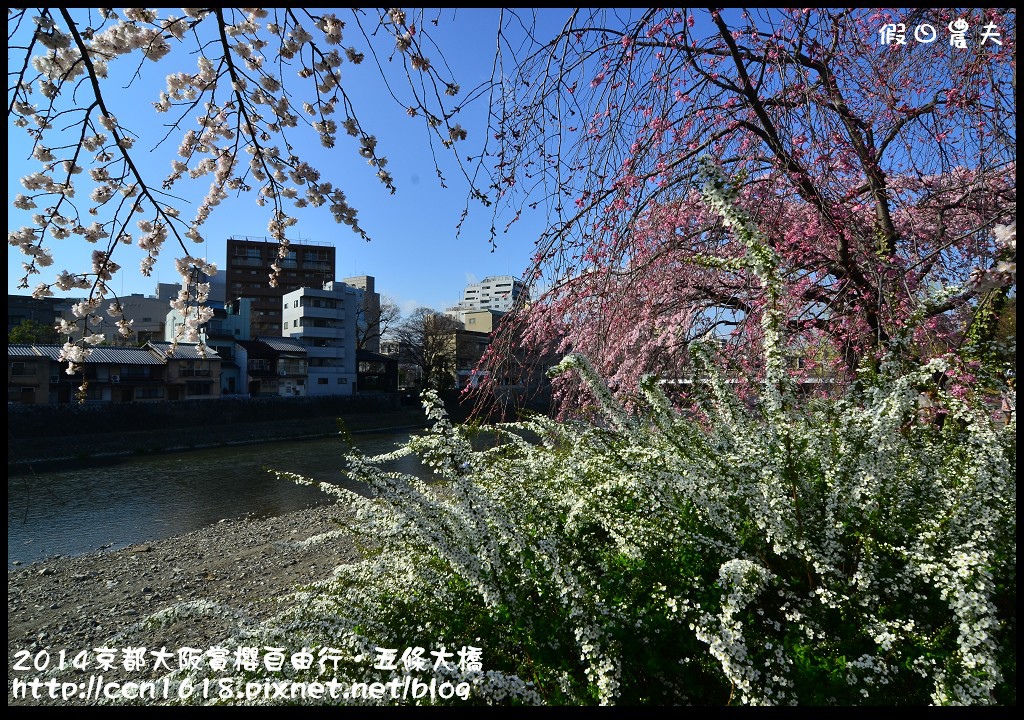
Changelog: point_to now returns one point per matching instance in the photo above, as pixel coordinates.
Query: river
(76, 508)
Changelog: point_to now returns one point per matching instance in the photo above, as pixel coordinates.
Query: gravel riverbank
(81, 603)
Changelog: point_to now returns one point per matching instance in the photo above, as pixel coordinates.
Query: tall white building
(496, 292)
(324, 321)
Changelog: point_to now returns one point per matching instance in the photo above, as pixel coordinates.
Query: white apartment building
(496, 292)
(324, 321)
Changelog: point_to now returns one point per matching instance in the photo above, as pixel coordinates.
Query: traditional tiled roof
(21, 351)
(102, 354)
(184, 351)
(284, 345)
(47, 351)
(123, 356)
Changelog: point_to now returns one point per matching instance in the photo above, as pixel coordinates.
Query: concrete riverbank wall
(38, 433)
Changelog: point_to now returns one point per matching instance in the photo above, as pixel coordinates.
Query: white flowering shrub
(852, 555)
(850, 552)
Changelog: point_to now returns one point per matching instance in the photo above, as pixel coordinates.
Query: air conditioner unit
(115, 378)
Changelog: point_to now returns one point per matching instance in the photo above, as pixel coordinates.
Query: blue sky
(414, 253)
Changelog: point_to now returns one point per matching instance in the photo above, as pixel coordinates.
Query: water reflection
(73, 509)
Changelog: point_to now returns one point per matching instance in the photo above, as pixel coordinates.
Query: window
(147, 319)
(321, 381)
(134, 372)
(295, 303)
(285, 324)
(198, 388)
(343, 381)
(18, 368)
(197, 368)
(321, 323)
(94, 392)
(149, 393)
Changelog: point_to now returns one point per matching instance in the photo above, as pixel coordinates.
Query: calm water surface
(77, 509)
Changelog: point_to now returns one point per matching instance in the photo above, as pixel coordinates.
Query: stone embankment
(39, 434)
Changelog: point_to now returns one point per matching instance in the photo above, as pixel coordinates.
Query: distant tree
(30, 331)
(375, 323)
(427, 339)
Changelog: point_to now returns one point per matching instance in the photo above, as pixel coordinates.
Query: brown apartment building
(309, 264)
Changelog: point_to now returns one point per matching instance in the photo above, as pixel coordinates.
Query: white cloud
(408, 306)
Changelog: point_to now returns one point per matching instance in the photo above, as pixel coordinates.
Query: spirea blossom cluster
(1004, 271)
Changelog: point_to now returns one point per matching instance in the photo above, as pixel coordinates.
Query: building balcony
(315, 312)
(319, 332)
(332, 350)
(139, 380)
(329, 370)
